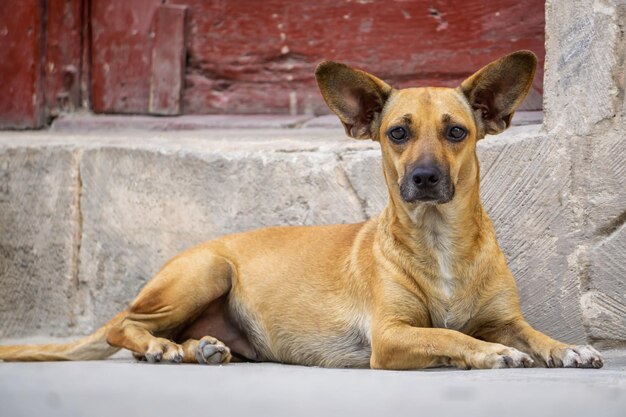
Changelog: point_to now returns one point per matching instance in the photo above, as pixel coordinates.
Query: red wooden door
(250, 56)
(21, 94)
(40, 60)
(240, 56)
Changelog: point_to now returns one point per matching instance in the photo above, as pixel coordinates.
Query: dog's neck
(447, 231)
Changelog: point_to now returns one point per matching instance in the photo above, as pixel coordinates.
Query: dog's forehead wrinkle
(429, 105)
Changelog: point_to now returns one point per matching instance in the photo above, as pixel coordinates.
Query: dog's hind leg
(207, 350)
(175, 296)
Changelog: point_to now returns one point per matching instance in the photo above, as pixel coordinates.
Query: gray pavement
(122, 387)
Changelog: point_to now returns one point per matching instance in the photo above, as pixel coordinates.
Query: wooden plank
(63, 55)
(121, 46)
(21, 59)
(251, 56)
(168, 60)
(85, 64)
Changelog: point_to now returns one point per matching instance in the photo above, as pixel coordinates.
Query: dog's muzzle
(427, 184)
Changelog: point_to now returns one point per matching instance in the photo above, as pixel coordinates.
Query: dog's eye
(398, 134)
(456, 133)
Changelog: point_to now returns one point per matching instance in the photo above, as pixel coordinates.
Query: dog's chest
(447, 314)
(446, 308)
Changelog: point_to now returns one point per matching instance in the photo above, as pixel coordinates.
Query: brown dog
(424, 284)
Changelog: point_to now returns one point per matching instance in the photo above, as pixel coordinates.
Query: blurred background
(162, 57)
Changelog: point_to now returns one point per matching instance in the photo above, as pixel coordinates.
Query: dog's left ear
(497, 90)
(356, 97)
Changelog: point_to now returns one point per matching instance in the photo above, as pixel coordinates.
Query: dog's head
(428, 135)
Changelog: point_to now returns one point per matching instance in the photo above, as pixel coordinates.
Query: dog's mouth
(441, 194)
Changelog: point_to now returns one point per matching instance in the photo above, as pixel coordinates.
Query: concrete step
(87, 122)
(88, 217)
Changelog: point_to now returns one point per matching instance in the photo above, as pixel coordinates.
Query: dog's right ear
(355, 96)
(497, 90)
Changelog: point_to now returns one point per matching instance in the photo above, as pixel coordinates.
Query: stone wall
(584, 107)
(86, 220)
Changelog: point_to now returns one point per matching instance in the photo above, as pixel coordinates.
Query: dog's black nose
(426, 177)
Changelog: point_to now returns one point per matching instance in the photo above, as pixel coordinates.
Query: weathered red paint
(21, 72)
(168, 60)
(244, 56)
(251, 56)
(121, 50)
(85, 64)
(63, 55)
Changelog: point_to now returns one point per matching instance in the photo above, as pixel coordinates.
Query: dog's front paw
(499, 356)
(573, 357)
(510, 358)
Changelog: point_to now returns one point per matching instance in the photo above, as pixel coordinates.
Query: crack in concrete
(619, 70)
(297, 150)
(610, 228)
(78, 228)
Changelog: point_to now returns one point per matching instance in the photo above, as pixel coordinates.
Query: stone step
(87, 218)
(87, 122)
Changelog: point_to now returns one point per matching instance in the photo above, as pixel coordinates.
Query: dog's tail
(91, 347)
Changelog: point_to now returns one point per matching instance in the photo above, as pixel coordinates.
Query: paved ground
(122, 387)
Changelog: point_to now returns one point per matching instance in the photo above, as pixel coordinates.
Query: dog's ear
(497, 90)
(355, 96)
